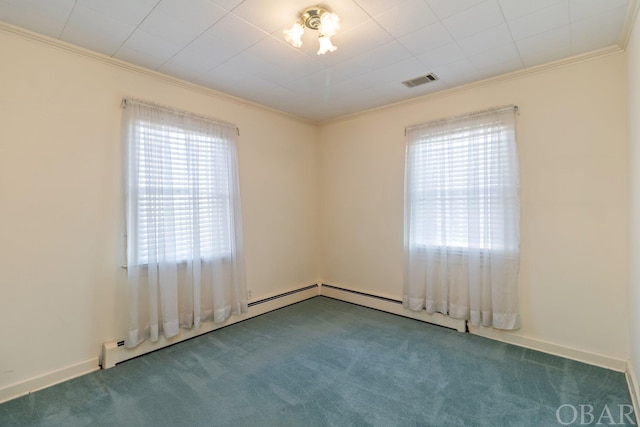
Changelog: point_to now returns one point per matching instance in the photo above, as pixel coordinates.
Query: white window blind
(456, 174)
(183, 193)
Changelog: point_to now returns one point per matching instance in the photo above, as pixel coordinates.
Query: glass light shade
(294, 35)
(329, 24)
(325, 45)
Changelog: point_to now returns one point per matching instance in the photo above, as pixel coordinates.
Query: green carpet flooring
(324, 362)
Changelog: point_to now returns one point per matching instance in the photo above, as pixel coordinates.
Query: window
(187, 174)
(456, 175)
(184, 224)
(462, 218)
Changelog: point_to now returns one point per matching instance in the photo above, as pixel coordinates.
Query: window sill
(460, 252)
(225, 259)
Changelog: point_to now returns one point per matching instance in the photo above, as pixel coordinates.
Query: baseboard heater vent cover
(390, 305)
(115, 352)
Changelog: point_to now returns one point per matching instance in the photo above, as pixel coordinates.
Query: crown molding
(633, 8)
(630, 19)
(114, 62)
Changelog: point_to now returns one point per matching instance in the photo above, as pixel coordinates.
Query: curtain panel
(184, 225)
(462, 216)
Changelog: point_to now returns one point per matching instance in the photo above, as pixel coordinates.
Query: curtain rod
(463, 116)
(179, 112)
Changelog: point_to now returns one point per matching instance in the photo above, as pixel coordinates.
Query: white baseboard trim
(114, 352)
(393, 305)
(634, 391)
(47, 380)
(389, 305)
(550, 348)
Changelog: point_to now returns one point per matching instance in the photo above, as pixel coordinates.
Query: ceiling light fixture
(316, 18)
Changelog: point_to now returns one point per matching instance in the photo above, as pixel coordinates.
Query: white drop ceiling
(237, 46)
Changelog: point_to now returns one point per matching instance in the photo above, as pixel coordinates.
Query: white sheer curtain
(462, 216)
(184, 229)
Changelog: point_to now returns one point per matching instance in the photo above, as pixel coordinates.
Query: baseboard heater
(390, 305)
(115, 352)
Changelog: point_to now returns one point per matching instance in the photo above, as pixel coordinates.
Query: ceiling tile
(582, 9)
(503, 54)
(152, 49)
(395, 73)
(203, 54)
(273, 50)
(375, 7)
(93, 30)
(474, 20)
(182, 69)
(350, 13)
(267, 93)
(513, 9)
(391, 93)
(226, 78)
(95, 42)
(198, 14)
(486, 40)
(426, 39)
(224, 40)
(291, 101)
(555, 16)
(142, 57)
(355, 41)
(125, 11)
(442, 55)
(345, 88)
(46, 17)
(315, 83)
(289, 60)
(378, 57)
(223, 77)
(446, 8)
(598, 31)
(258, 63)
(498, 68)
(360, 100)
(545, 47)
(235, 33)
(245, 64)
(407, 17)
(168, 28)
(227, 4)
(459, 72)
(332, 101)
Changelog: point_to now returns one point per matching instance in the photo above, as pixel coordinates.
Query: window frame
(463, 137)
(220, 195)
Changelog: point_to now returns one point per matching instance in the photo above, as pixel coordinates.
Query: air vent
(420, 80)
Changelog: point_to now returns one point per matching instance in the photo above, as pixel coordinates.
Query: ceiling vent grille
(420, 80)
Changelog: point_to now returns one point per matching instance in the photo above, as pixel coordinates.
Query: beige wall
(633, 71)
(571, 136)
(61, 233)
